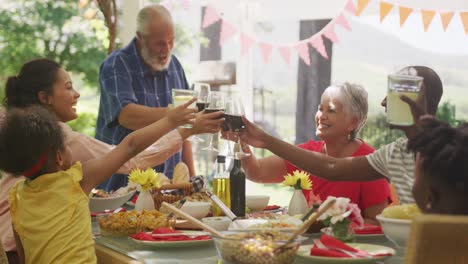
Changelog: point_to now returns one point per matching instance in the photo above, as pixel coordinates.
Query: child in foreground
(49, 209)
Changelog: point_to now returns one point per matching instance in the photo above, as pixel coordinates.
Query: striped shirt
(397, 164)
(125, 79)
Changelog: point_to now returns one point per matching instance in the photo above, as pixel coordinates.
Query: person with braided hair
(441, 173)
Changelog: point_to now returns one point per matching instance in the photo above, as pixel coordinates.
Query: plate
(176, 244)
(304, 253)
(325, 231)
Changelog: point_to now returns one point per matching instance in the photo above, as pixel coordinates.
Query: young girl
(49, 209)
(441, 174)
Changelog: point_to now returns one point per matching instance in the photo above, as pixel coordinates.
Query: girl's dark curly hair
(26, 134)
(444, 153)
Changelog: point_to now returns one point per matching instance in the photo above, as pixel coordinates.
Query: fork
(319, 244)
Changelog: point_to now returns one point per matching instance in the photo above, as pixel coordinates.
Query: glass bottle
(237, 177)
(221, 185)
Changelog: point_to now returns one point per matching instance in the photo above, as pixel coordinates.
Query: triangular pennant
(385, 8)
(404, 14)
(266, 49)
(341, 20)
(427, 16)
(317, 42)
(185, 4)
(246, 43)
(285, 52)
(350, 7)
(210, 17)
(361, 4)
(227, 31)
(330, 33)
(446, 18)
(464, 19)
(303, 50)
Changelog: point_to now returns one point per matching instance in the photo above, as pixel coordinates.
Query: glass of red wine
(216, 102)
(202, 90)
(233, 120)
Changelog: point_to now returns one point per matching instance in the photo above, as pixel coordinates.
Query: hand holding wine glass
(216, 102)
(233, 116)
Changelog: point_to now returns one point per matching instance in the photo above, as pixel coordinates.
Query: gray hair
(149, 12)
(353, 97)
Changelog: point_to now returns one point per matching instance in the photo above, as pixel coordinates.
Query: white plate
(176, 244)
(248, 224)
(324, 230)
(304, 253)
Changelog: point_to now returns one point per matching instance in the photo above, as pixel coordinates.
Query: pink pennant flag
(350, 7)
(266, 49)
(211, 16)
(341, 20)
(246, 43)
(330, 33)
(185, 4)
(227, 31)
(167, 4)
(303, 50)
(317, 42)
(285, 52)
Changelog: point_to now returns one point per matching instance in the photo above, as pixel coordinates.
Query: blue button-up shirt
(125, 79)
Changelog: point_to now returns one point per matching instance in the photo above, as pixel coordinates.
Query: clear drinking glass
(399, 112)
(216, 102)
(233, 120)
(181, 96)
(202, 90)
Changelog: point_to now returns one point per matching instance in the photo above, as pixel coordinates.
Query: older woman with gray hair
(341, 114)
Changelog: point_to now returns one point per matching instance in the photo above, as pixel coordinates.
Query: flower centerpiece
(145, 180)
(339, 218)
(299, 180)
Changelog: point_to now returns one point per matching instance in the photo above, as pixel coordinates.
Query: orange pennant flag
(446, 18)
(404, 14)
(427, 16)
(464, 19)
(361, 4)
(385, 8)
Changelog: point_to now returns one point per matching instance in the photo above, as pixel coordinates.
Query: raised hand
(253, 135)
(182, 115)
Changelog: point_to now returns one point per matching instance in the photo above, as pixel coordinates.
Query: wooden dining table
(119, 250)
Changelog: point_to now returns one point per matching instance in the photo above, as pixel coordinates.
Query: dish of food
(174, 239)
(283, 224)
(304, 254)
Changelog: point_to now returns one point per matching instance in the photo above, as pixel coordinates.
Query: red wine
(211, 110)
(234, 122)
(202, 105)
(237, 186)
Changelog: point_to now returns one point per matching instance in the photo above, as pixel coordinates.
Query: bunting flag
(185, 4)
(227, 31)
(351, 8)
(285, 52)
(330, 33)
(446, 18)
(246, 43)
(385, 8)
(404, 14)
(211, 16)
(464, 19)
(266, 49)
(361, 4)
(427, 16)
(303, 50)
(341, 20)
(317, 42)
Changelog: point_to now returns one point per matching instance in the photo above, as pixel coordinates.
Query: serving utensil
(192, 219)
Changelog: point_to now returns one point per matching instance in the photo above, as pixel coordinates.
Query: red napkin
(121, 209)
(164, 230)
(271, 207)
(367, 229)
(332, 242)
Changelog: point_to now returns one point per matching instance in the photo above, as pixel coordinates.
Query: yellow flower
(147, 179)
(298, 180)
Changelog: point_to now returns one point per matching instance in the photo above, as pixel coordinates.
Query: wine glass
(202, 90)
(233, 115)
(216, 102)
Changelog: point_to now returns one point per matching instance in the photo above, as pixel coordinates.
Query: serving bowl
(97, 204)
(257, 202)
(196, 209)
(396, 230)
(256, 247)
(220, 223)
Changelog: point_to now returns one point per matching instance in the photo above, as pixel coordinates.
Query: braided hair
(444, 153)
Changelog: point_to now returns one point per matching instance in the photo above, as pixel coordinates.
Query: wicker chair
(438, 239)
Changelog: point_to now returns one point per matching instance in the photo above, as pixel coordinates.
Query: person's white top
(397, 164)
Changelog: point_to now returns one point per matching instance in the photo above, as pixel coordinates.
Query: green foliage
(376, 132)
(52, 29)
(85, 123)
(447, 112)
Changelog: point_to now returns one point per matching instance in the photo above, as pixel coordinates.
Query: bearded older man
(136, 84)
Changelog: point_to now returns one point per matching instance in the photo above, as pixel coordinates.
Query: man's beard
(153, 60)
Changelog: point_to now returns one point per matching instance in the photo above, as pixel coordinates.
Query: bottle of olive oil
(237, 177)
(221, 185)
